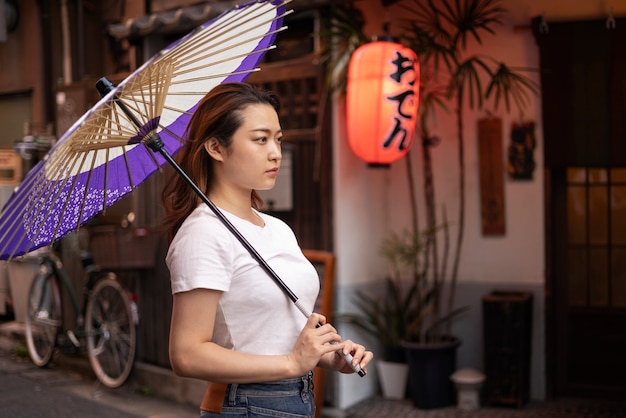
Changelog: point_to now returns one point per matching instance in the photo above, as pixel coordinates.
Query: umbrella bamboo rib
(223, 26)
(43, 194)
(208, 52)
(216, 63)
(67, 201)
(216, 41)
(212, 76)
(74, 159)
(172, 134)
(130, 176)
(12, 209)
(106, 180)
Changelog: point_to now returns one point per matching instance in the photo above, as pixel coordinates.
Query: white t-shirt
(254, 314)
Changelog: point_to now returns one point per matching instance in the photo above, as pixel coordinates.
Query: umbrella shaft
(104, 87)
(156, 144)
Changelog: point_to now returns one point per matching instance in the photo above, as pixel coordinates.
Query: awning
(184, 19)
(172, 21)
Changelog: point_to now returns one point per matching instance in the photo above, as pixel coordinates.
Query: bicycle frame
(55, 266)
(106, 321)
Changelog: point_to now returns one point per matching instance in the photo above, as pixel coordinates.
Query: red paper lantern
(382, 99)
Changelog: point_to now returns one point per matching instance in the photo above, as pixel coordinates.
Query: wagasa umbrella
(113, 147)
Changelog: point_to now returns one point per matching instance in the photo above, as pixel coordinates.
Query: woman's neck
(239, 204)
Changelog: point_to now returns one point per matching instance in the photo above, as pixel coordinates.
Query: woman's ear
(213, 148)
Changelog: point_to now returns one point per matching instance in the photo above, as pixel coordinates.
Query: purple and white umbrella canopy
(103, 157)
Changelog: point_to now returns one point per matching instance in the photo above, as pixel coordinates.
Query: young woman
(231, 323)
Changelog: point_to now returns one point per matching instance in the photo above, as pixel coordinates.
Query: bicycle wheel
(110, 331)
(43, 318)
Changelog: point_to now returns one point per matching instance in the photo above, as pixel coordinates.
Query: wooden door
(589, 286)
(583, 101)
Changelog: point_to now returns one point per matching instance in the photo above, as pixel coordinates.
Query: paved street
(27, 391)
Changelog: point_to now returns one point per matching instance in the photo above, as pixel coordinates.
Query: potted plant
(384, 318)
(396, 315)
(438, 31)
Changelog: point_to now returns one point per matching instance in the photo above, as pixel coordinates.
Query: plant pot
(430, 368)
(393, 378)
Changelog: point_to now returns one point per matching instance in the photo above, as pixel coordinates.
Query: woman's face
(253, 159)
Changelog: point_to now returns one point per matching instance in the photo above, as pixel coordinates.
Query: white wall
(371, 202)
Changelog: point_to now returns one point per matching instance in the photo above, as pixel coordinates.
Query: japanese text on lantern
(404, 101)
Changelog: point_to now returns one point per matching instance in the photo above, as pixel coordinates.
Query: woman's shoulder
(200, 234)
(201, 222)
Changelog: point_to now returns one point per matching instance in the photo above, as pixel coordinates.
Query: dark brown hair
(218, 116)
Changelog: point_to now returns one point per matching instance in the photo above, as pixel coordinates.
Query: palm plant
(438, 31)
(342, 35)
(397, 314)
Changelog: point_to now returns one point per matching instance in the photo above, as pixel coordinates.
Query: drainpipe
(80, 39)
(67, 51)
(48, 77)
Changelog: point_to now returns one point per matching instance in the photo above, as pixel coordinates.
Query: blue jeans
(289, 398)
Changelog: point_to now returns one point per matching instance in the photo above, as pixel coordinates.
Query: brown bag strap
(213, 397)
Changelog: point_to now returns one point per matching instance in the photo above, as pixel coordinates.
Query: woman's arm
(193, 354)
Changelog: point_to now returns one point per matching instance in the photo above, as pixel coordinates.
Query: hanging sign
(491, 174)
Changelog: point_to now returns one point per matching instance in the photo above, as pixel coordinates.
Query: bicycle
(106, 322)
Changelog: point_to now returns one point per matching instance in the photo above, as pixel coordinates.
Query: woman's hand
(330, 357)
(359, 354)
(313, 344)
